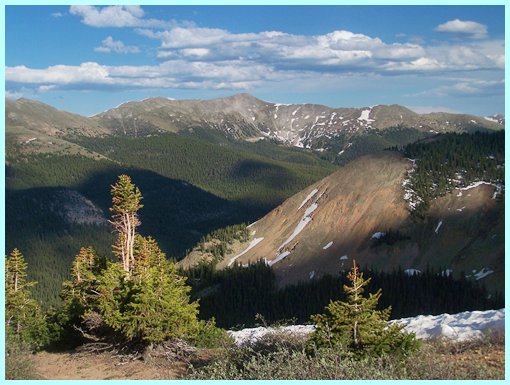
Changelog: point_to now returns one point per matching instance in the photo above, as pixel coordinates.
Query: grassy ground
(279, 357)
(284, 359)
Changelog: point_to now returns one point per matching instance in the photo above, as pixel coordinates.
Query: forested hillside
(194, 185)
(237, 296)
(454, 161)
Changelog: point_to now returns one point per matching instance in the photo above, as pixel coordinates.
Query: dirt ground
(87, 366)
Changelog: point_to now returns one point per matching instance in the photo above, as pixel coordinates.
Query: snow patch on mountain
(252, 244)
(314, 191)
(483, 273)
(463, 326)
(378, 235)
(278, 258)
(328, 245)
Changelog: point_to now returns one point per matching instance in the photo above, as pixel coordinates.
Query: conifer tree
(22, 313)
(356, 325)
(153, 304)
(80, 293)
(144, 299)
(126, 199)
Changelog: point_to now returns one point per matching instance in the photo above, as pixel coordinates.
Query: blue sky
(86, 59)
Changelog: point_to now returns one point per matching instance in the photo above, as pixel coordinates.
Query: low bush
(444, 360)
(18, 361)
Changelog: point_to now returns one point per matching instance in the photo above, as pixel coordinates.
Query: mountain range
(206, 164)
(239, 117)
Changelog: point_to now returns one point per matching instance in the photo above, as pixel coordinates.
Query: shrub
(356, 325)
(18, 363)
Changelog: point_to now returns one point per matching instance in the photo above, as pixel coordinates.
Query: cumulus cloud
(197, 57)
(331, 52)
(118, 16)
(109, 45)
(170, 74)
(467, 28)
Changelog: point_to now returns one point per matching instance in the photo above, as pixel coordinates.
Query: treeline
(218, 243)
(234, 296)
(454, 160)
(373, 141)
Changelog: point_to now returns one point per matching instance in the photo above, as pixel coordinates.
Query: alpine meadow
(254, 192)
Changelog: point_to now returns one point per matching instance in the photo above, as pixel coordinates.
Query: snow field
(315, 191)
(252, 244)
(456, 327)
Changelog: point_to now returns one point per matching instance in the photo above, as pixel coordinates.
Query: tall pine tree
(126, 199)
(23, 316)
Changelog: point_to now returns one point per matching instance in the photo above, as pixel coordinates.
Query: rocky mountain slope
(240, 117)
(360, 212)
(243, 116)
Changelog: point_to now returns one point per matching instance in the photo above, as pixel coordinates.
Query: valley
(207, 164)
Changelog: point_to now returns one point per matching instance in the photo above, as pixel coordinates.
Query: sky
(86, 59)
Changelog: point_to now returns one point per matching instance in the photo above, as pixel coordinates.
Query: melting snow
(252, 244)
(491, 119)
(310, 209)
(278, 258)
(458, 327)
(307, 218)
(378, 235)
(438, 226)
(483, 273)
(328, 245)
(315, 191)
(365, 114)
(312, 274)
(476, 184)
(412, 272)
(301, 225)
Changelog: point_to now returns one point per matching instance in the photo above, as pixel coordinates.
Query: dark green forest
(193, 185)
(452, 160)
(234, 296)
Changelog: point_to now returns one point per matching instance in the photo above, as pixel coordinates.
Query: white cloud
(118, 16)
(171, 74)
(192, 57)
(468, 28)
(109, 45)
(56, 15)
